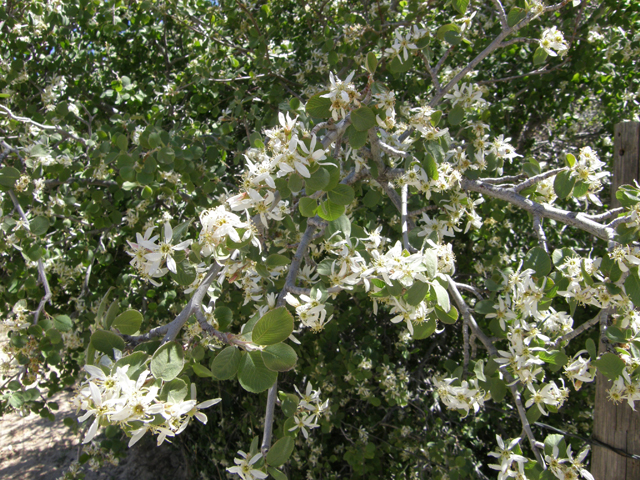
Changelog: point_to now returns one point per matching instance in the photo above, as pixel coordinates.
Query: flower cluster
(507, 455)
(126, 396)
(311, 311)
(403, 43)
(343, 96)
(553, 42)
(460, 395)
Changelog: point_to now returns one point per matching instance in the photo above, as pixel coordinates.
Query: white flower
(244, 467)
(165, 250)
(552, 40)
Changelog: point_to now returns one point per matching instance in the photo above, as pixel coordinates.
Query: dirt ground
(34, 448)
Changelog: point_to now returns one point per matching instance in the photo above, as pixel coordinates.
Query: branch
(41, 272)
(540, 71)
(542, 238)
(54, 128)
(578, 220)
(268, 419)
(488, 344)
(494, 45)
(312, 225)
(171, 330)
(606, 215)
(502, 180)
(403, 217)
(538, 178)
(585, 326)
(501, 14)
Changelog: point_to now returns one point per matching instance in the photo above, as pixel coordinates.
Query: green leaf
(563, 184)
(442, 296)
(435, 118)
(62, 323)
(357, 139)
(449, 317)
(590, 345)
(290, 404)
(498, 389)
(538, 260)
(453, 38)
(105, 342)
(224, 316)
(424, 329)
(280, 452)
(296, 182)
(539, 56)
(9, 176)
(456, 115)
(279, 357)
(174, 391)
(201, 371)
(319, 107)
(102, 306)
(570, 159)
(372, 199)
(397, 66)
(417, 292)
(136, 361)
(39, 225)
(431, 167)
(274, 327)
(371, 63)
(168, 361)
(128, 322)
(275, 473)
(363, 119)
(460, 5)
(430, 260)
(277, 260)
(484, 307)
(318, 180)
(166, 155)
(554, 357)
(515, 15)
(329, 211)
(341, 224)
(225, 365)
(632, 286)
(255, 140)
(341, 195)
(307, 207)
(185, 273)
(253, 375)
(442, 31)
(112, 311)
(610, 365)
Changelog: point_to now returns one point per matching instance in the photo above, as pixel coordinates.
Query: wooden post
(617, 425)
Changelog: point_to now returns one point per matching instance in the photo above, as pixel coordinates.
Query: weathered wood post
(618, 425)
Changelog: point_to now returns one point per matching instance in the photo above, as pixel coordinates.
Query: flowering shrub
(251, 197)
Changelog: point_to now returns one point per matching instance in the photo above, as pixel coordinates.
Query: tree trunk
(617, 425)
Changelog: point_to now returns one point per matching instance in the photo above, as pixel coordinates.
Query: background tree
(187, 182)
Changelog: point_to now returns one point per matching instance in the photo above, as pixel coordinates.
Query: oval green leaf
(279, 357)
(225, 365)
(168, 361)
(253, 375)
(274, 327)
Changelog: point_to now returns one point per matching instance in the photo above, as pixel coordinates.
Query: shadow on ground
(34, 448)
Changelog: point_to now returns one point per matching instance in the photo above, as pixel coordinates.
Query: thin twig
(41, 272)
(542, 238)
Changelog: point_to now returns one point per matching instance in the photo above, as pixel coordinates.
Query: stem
(41, 272)
(488, 344)
(268, 419)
